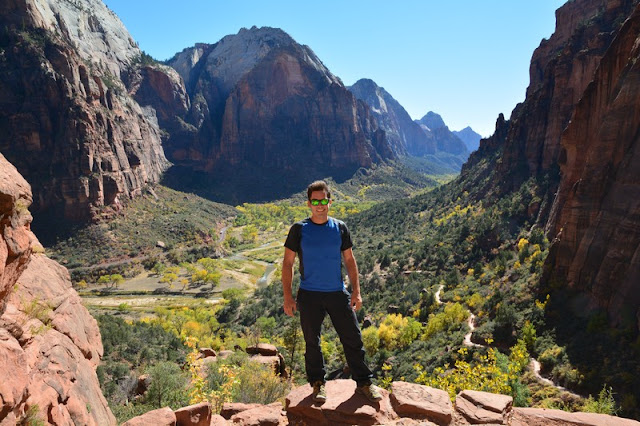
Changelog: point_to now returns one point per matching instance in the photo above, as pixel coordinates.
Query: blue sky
(467, 60)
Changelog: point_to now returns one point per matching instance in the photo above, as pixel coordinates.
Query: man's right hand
(289, 306)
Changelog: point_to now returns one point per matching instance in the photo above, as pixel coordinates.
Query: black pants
(313, 306)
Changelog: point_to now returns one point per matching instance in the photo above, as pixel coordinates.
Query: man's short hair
(318, 185)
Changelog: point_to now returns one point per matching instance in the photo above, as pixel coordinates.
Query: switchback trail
(534, 365)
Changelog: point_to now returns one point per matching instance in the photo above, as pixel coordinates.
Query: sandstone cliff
(560, 70)
(581, 83)
(262, 105)
(49, 344)
(596, 214)
(67, 122)
(574, 141)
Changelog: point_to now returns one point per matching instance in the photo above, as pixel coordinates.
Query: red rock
(561, 69)
(483, 407)
(194, 415)
(231, 408)
(262, 349)
(264, 415)
(12, 359)
(418, 401)
(207, 352)
(218, 420)
(343, 406)
(77, 142)
(15, 234)
(143, 384)
(49, 343)
(160, 417)
(491, 401)
(594, 216)
(47, 282)
(545, 417)
(275, 362)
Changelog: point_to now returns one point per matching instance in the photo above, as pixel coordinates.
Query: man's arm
(354, 279)
(287, 278)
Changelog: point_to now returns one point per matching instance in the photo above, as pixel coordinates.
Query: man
(321, 243)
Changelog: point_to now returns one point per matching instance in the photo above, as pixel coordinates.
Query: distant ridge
(403, 134)
(446, 141)
(470, 138)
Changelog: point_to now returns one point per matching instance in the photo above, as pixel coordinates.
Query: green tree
(266, 325)
(168, 386)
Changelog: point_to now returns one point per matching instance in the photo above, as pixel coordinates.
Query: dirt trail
(534, 365)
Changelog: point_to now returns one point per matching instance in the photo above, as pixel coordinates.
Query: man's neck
(319, 220)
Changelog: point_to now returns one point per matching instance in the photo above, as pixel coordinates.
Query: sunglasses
(315, 202)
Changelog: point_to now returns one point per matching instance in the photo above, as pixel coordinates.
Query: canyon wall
(67, 122)
(50, 345)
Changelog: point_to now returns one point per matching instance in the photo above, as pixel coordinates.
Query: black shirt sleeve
(346, 237)
(293, 239)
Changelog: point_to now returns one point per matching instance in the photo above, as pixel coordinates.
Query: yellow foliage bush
(454, 313)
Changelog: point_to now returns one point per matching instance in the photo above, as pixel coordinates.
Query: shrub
(370, 340)
(168, 386)
(605, 404)
(257, 383)
(454, 314)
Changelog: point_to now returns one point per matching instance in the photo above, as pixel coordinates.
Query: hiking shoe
(371, 392)
(319, 392)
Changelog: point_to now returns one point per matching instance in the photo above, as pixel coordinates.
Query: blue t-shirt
(319, 249)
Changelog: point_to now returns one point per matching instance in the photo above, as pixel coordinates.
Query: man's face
(320, 210)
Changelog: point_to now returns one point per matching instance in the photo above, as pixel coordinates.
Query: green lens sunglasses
(315, 202)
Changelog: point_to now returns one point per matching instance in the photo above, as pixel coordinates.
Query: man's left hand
(356, 301)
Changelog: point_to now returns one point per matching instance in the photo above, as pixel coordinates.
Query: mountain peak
(432, 120)
(470, 138)
(263, 35)
(228, 60)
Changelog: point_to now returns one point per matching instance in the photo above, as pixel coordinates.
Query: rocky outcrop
(17, 238)
(263, 103)
(66, 120)
(49, 344)
(406, 404)
(595, 218)
(403, 134)
(576, 135)
(560, 70)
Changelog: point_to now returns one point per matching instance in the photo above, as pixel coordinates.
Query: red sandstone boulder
(160, 417)
(343, 406)
(207, 353)
(225, 354)
(218, 420)
(264, 415)
(483, 407)
(194, 415)
(231, 408)
(262, 349)
(544, 417)
(418, 401)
